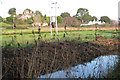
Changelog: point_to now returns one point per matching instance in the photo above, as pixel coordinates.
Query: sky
(96, 8)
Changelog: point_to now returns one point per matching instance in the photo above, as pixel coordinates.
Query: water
(98, 68)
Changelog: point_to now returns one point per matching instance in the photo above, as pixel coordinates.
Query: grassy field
(4, 24)
(23, 38)
(10, 26)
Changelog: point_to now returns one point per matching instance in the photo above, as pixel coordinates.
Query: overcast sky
(96, 8)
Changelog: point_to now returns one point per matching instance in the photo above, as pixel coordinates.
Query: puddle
(98, 67)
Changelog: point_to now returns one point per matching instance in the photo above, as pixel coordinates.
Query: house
(39, 24)
(26, 14)
(93, 22)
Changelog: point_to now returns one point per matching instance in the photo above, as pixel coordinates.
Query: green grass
(5, 24)
(10, 31)
(14, 39)
(10, 26)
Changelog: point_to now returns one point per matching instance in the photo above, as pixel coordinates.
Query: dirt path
(78, 28)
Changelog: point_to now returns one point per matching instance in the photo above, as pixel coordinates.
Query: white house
(39, 24)
(94, 22)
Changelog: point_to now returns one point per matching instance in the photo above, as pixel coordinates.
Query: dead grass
(45, 57)
(80, 28)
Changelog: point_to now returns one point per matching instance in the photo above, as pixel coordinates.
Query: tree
(37, 18)
(29, 20)
(29, 10)
(4, 20)
(59, 19)
(83, 15)
(12, 11)
(38, 13)
(85, 18)
(106, 19)
(65, 14)
(82, 12)
(20, 14)
(113, 23)
(1, 19)
(45, 17)
(10, 19)
(48, 20)
(70, 21)
(94, 18)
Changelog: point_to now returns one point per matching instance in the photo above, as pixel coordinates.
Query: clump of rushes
(33, 33)
(15, 37)
(54, 36)
(35, 42)
(21, 33)
(34, 36)
(18, 44)
(45, 36)
(5, 43)
(86, 37)
(79, 37)
(12, 39)
(58, 38)
(39, 33)
(64, 35)
(39, 37)
(27, 42)
(39, 30)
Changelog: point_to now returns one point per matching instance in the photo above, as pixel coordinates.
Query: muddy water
(98, 67)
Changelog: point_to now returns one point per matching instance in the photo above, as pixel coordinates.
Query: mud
(31, 62)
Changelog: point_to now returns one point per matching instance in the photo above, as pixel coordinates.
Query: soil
(44, 58)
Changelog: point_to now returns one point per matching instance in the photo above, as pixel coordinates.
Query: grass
(18, 31)
(87, 35)
(10, 26)
(5, 24)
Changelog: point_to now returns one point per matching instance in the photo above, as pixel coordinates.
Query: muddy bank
(45, 58)
(112, 43)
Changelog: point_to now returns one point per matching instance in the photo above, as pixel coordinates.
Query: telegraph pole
(50, 24)
(55, 19)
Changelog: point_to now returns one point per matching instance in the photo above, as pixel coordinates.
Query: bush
(11, 19)
(1, 19)
(70, 21)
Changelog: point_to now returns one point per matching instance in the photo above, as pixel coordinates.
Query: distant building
(26, 14)
(93, 22)
(39, 24)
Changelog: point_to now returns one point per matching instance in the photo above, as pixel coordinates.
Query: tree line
(82, 16)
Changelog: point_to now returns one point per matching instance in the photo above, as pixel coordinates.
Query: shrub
(70, 21)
